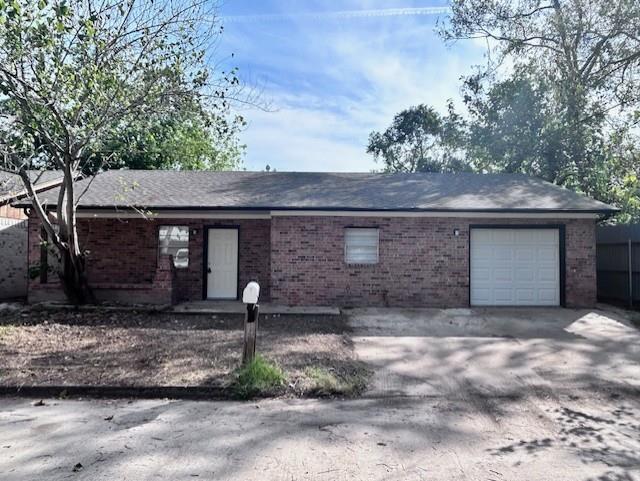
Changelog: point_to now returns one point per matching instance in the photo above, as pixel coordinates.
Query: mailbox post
(250, 298)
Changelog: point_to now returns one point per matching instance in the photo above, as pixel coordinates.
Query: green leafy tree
(583, 63)
(619, 179)
(76, 74)
(420, 140)
(511, 127)
(181, 141)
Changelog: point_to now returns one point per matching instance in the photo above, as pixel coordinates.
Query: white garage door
(515, 267)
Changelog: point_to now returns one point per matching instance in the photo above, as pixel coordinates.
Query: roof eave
(599, 211)
(21, 195)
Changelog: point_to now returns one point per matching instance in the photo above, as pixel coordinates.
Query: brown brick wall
(125, 251)
(421, 262)
(300, 260)
(580, 262)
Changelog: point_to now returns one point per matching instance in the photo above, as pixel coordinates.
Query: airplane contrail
(343, 14)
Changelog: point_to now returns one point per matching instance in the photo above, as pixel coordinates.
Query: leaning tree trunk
(73, 272)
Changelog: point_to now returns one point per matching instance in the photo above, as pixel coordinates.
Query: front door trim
(205, 257)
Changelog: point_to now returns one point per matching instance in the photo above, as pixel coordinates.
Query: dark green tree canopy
(189, 139)
(511, 127)
(419, 140)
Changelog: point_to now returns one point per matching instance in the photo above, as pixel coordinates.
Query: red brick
(421, 262)
(300, 260)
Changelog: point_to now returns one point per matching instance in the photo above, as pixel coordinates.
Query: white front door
(515, 267)
(222, 267)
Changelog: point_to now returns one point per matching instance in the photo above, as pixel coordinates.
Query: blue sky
(333, 71)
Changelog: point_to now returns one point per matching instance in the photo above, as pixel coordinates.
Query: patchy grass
(260, 377)
(5, 331)
(327, 382)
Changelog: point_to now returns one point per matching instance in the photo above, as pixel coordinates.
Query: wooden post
(250, 331)
(630, 267)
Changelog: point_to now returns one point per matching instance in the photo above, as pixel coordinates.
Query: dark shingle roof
(11, 185)
(328, 191)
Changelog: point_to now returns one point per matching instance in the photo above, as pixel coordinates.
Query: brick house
(446, 240)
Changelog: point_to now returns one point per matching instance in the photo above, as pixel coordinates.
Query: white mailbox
(251, 293)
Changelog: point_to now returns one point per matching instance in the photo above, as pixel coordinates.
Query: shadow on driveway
(497, 352)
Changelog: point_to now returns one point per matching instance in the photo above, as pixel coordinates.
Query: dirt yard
(133, 349)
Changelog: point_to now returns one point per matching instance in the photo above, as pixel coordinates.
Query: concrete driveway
(496, 352)
(457, 395)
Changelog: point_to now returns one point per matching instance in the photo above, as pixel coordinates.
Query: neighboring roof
(12, 188)
(162, 189)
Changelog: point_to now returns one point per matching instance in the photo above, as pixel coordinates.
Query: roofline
(7, 199)
(603, 211)
(357, 209)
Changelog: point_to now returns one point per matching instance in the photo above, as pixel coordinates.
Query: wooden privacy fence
(618, 263)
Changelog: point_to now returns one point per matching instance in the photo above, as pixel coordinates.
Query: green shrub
(259, 377)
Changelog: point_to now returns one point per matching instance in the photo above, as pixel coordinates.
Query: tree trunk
(73, 278)
(73, 274)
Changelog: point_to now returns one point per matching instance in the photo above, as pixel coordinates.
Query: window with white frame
(361, 245)
(174, 240)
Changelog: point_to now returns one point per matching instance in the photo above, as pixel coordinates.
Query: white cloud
(369, 72)
(304, 140)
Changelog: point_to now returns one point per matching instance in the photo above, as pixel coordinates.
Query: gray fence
(618, 263)
(13, 258)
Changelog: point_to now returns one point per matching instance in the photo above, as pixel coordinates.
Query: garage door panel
(522, 236)
(505, 237)
(525, 254)
(547, 295)
(548, 274)
(481, 274)
(514, 267)
(526, 296)
(547, 236)
(524, 274)
(503, 295)
(547, 254)
(483, 296)
(484, 237)
(483, 252)
(502, 275)
(503, 253)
